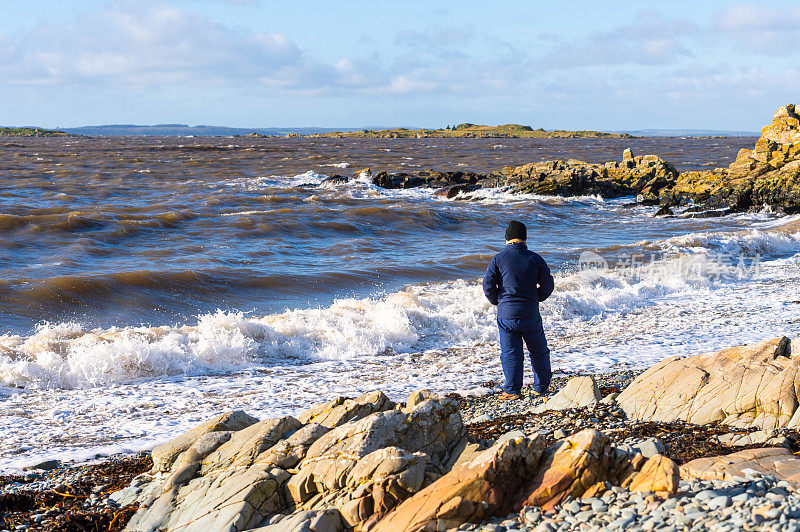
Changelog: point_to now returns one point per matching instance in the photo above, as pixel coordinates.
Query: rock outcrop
(518, 472)
(750, 386)
(341, 410)
(220, 428)
(643, 175)
(769, 174)
(776, 461)
(368, 464)
(339, 464)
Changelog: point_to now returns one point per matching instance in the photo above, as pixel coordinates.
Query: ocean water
(148, 284)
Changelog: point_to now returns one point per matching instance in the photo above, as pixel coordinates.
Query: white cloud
(760, 29)
(650, 39)
(146, 47)
(133, 44)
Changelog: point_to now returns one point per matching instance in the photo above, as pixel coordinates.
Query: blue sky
(262, 63)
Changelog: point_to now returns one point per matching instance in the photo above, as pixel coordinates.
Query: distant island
(468, 130)
(30, 132)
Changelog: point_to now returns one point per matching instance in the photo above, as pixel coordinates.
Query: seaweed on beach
(68, 507)
(683, 441)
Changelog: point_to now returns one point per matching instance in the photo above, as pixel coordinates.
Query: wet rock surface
(766, 175)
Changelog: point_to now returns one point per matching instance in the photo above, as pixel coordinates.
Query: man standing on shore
(517, 280)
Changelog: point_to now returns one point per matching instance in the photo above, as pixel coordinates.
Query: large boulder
(776, 461)
(366, 467)
(214, 484)
(517, 471)
(749, 386)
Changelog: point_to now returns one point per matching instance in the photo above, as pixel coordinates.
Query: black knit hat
(516, 230)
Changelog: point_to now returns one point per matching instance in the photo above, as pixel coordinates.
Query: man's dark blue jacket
(516, 280)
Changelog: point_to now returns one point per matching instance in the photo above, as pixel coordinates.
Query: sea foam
(416, 319)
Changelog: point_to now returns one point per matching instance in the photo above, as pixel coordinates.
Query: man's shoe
(509, 396)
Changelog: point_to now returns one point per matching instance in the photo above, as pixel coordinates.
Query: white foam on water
(271, 181)
(505, 195)
(73, 393)
(245, 213)
(781, 239)
(362, 187)
(338, 165)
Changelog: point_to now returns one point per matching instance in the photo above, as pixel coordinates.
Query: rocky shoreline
(699, 443)
(766, 177)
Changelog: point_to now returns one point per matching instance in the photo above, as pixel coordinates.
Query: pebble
(721, 501)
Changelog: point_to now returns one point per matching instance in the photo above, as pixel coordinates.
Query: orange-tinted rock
(479, 488)
(659, 474)
(570, 467)
(768, 174)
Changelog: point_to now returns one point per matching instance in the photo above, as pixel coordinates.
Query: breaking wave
(418, 318)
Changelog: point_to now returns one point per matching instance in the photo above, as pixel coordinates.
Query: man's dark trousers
(512, 355)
